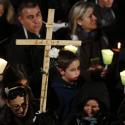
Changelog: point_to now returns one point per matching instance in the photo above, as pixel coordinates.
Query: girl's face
(91, 107)
(89, 21)
(72, 72)
(1, 10)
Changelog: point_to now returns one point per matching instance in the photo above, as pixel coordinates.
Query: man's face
(31, 19)
(19, 106)
(105, 3)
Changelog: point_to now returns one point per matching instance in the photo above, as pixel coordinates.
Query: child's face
(72, 72)
(91, 107)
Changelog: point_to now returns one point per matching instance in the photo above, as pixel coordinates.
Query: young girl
(91, 112)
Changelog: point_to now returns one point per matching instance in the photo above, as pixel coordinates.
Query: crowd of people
(81, 91)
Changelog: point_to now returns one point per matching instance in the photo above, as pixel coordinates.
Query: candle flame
(119, 45)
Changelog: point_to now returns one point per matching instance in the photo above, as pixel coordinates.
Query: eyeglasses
(14, 92)
(17, 107)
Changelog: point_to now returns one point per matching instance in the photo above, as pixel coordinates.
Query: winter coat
(61, 95)
(31, 57)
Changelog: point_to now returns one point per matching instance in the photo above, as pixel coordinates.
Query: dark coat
(8, 118)
(61, 95)
(6, 31)
(29, 56)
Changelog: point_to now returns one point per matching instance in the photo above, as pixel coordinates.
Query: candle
(3, 64)
(122, 76)
(107, 56)
(71, 48)
(119, 45)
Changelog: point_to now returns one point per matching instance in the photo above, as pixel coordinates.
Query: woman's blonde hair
(8, 10)
(77, 11)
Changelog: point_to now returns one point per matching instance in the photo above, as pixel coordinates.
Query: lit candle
(122, 76)
(71, 48)
(107, 56)
(119, 45)
(3, 64)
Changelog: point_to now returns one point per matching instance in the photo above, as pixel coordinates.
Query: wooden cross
(48, 42)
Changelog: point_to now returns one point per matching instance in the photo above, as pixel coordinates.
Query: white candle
(119, 45)
(3, 64)
(71, 48)
(107, 56)
(122, 76)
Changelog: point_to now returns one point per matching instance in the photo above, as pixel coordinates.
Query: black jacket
(31, 57)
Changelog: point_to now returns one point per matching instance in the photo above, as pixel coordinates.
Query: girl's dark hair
(13, 74)
(65, 58)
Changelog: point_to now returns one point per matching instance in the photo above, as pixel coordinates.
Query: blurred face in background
(89, 21)
(1, 10)
(91, 107)
(105, 3)
(31, 19)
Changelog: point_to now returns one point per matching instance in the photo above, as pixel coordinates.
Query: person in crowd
(64, 84)
(83, 26)
(20, 107)
(91, 112)
(105, 13)
(30, 27)
(6, 25)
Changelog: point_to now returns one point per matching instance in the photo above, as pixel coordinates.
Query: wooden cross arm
(47, 42)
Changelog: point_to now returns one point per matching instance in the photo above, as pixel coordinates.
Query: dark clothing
(8, 118)
(5, 35)
(62, 94)
(29, 56)
(105, 16)
(79, 119)
(121, 111)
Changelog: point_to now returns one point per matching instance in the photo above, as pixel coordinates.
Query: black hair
(13, 74)
(65, 58)
(26, 4)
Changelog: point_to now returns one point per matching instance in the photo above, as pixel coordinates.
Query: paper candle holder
(71, 48)
(122, 76)
(107, 56)
(3, 64)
